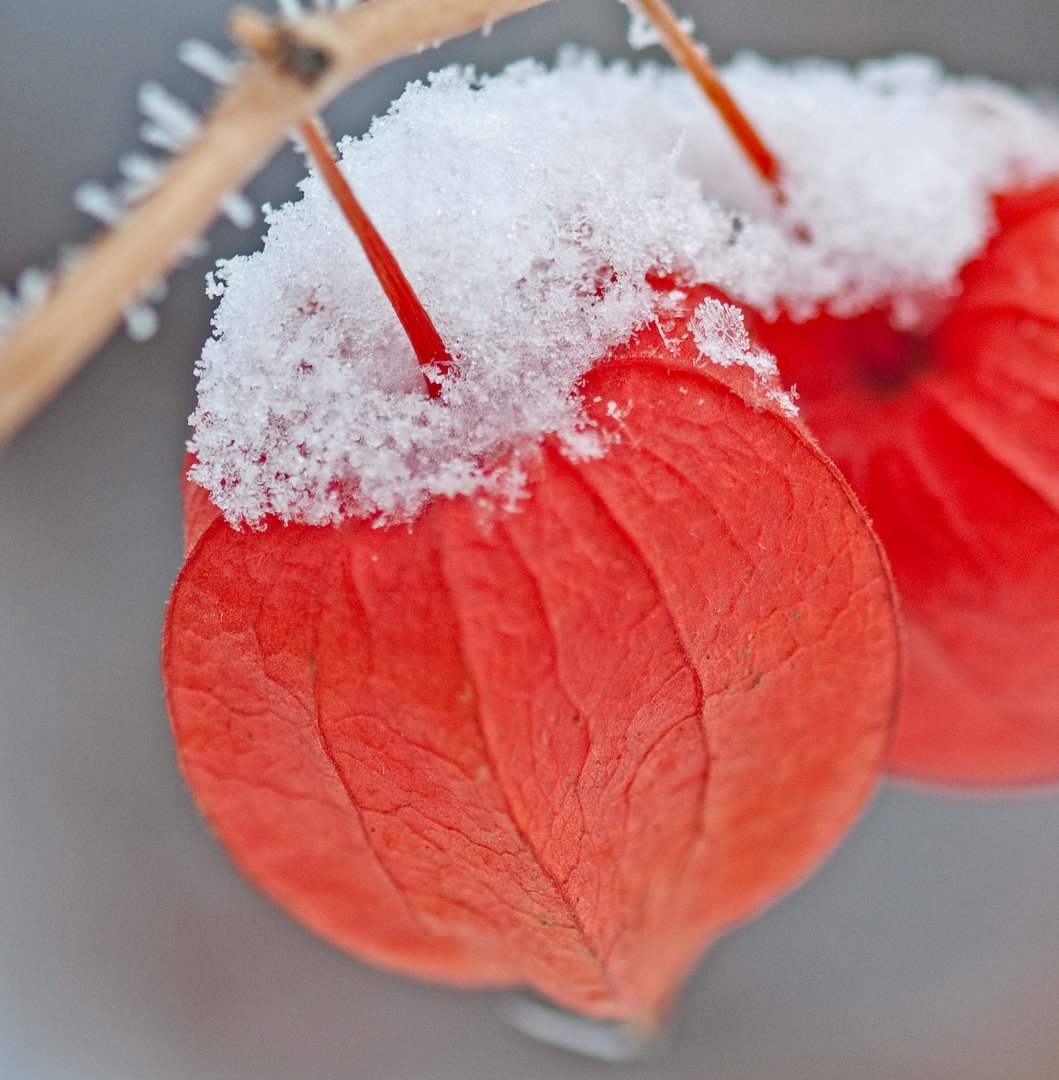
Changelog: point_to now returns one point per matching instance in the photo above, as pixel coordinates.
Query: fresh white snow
(527, 209)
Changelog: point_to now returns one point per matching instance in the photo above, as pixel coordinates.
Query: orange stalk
(686, 52)
(429, 348)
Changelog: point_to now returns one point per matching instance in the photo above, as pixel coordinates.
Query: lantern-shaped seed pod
(951, 438)
(563, 725)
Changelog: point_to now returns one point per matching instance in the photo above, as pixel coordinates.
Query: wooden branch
(299, 68)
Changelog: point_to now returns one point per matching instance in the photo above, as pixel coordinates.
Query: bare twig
(299, 68)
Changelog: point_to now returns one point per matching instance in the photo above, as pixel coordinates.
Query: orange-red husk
(952, 442)
(563, 745)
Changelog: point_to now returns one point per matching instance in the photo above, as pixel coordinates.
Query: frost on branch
(528, 210)
(642, 32)
(29, 292)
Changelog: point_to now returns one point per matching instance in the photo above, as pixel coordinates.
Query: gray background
(129, 948)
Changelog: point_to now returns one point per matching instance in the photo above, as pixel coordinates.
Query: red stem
(430, 350)
(692, 58)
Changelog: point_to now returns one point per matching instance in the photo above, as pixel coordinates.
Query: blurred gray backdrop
(927, 949)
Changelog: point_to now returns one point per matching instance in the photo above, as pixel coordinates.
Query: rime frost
(208, 61)
(29, 293)
(527, 209)
(642, 32)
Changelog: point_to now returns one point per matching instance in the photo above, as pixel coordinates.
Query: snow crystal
(141, 321)
(30, 291)
(208, 61)
(528, 210)
(98, 202)
(642, 32)
(171, 123)
(10, 312)
(141, 173)
(720, 334)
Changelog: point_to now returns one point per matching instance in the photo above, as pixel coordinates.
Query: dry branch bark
(299, 67)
